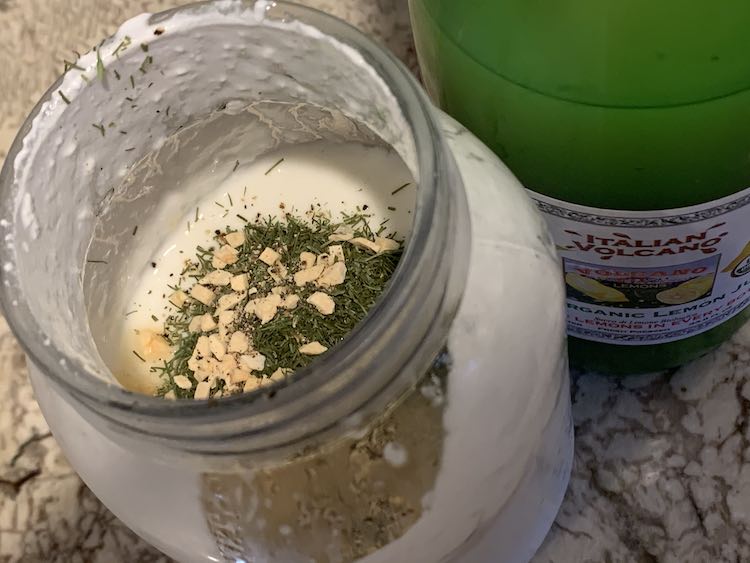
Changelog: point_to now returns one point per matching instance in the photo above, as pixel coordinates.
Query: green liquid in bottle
(617, 105)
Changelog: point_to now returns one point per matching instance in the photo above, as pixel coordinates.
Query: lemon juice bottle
(629, 123)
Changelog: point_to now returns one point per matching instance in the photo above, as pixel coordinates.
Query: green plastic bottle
(629, 122)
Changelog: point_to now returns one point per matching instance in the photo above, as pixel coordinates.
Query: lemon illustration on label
(594, 289)
(686, 291)
(739, 265)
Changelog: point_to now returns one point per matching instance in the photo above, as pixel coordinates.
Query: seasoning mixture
(223, 275)
(263, 301)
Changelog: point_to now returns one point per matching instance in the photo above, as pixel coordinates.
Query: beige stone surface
(46, 513)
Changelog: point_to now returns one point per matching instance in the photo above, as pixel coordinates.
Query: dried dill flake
(264, 301)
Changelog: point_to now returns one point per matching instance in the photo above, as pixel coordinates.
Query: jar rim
(116, 403)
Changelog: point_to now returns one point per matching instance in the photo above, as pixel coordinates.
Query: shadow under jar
(438, 430)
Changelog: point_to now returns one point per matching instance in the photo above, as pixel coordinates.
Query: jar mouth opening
(67, 371)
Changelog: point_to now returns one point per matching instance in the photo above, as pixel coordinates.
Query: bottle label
(648, 277)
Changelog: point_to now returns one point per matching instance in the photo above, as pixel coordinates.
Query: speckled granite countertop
(662, 465)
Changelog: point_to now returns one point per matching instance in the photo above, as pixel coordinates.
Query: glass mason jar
(439, 430)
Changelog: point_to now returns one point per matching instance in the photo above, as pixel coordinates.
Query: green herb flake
(401, 187)
(100, 70)
(274, 166)
(69, 65)
(100, 127)
(64, 97)
(147, 62)
(124, 44)
(137, 355)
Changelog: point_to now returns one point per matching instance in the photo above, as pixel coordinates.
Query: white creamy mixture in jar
(332, 177)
